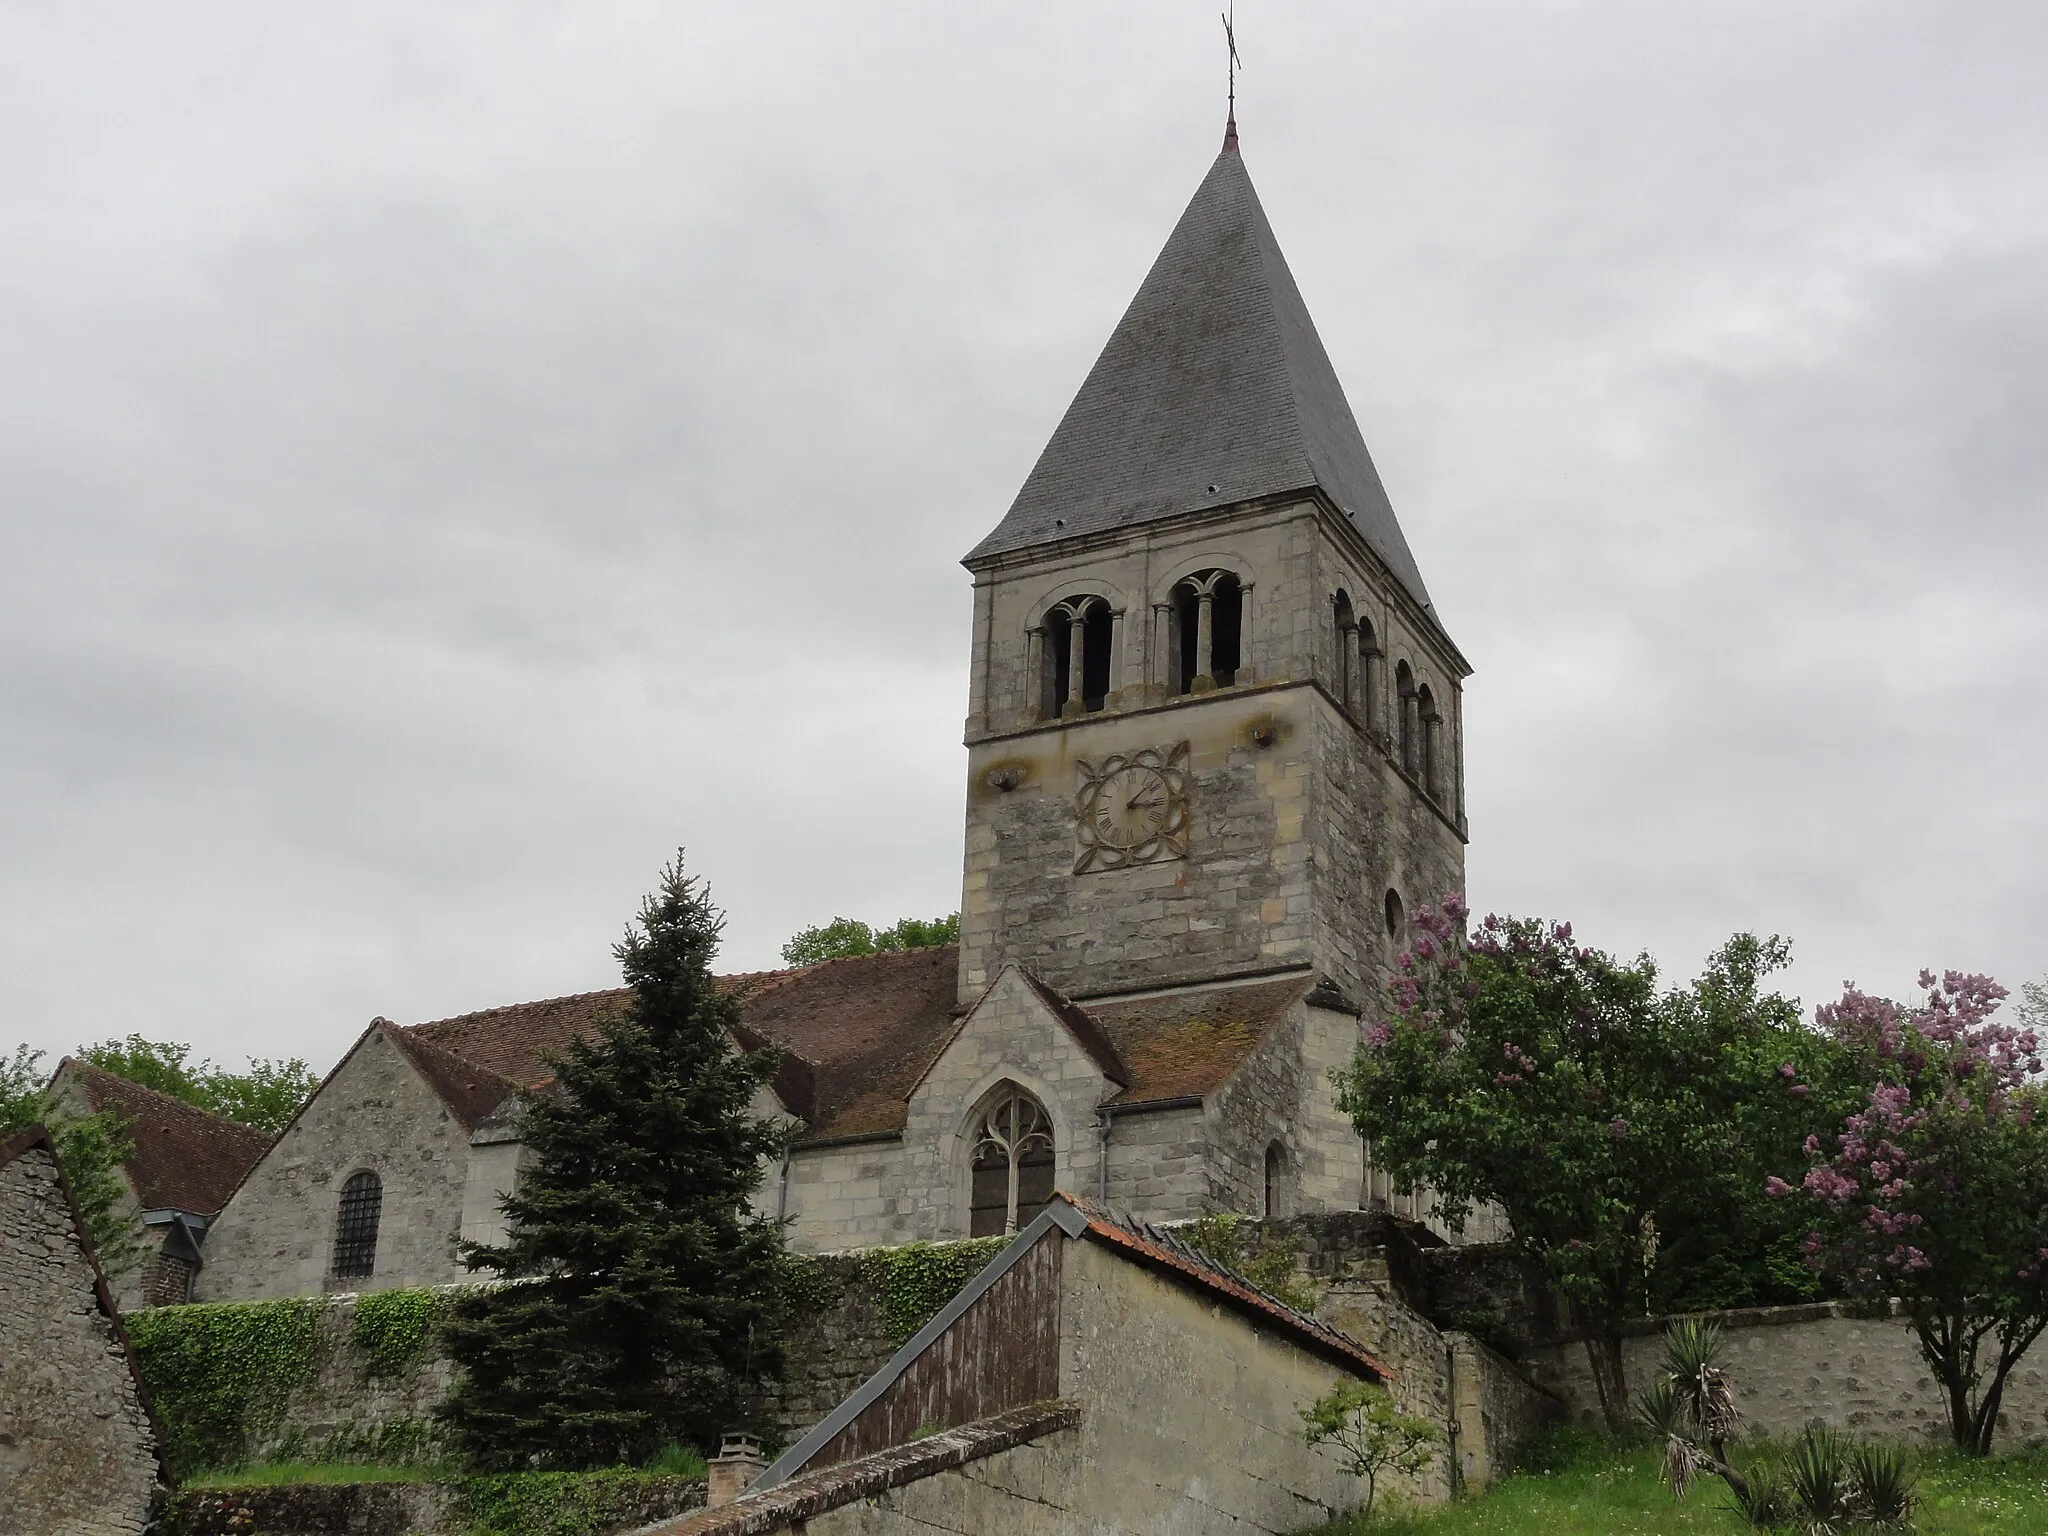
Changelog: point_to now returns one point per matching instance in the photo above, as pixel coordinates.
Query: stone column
(1205, 643)
(1034, 673)
(1371, 680)
(1245, 673)
(1077, 648)
(1348, 690)
(1163, 659)
(1115, 689)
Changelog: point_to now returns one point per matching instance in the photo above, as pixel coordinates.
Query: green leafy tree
(1371, 1433)
(1934, 1189)
(92, 1149)
(264, 1098)
(848, 936)
(1624, 1132)
(647, 1296)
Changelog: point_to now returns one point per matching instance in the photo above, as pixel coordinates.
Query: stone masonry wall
(1292, 846)
(1283, 1094)
(78, 1453)
(276, 1236)
(1790, 1365)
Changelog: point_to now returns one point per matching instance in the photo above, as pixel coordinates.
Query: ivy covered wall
(315, 1377)
(358, 1377)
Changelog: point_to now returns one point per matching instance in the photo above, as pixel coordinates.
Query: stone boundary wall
(1373, 1280)
(392, 1509)
(1830, 1361)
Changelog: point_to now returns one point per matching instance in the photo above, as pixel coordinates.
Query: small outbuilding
(1098, 1375)
(79, 1452)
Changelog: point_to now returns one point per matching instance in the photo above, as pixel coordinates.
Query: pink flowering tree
(1934, 1190)
(1617, 1126)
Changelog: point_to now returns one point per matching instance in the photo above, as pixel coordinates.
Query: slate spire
(1214, 388)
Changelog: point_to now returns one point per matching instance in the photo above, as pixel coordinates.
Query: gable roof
(469, 1089)
(1214, 388)
(856, 1033)
(1187, 1044)
(1084, 1028)
(185, 1158)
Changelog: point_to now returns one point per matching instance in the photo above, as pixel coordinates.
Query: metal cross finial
(1230, 42)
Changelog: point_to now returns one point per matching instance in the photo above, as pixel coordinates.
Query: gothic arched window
(1075, 643)
(1012, 1172)
(355, 1226)
(1208, 610)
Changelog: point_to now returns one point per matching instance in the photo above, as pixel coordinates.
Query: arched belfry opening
(1429, 743)
(1411, 717)
(1076, 643)
(1011, 1170)
(1346, 682)
(1208, 611)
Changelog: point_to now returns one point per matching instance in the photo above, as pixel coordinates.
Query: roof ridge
(89, 1071)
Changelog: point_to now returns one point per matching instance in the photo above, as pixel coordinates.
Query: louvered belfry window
(355, 1226)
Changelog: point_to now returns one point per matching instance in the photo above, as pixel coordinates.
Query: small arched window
(1208, 612)
(355, 1226)
(1078, 638)
(1411, 717)
(1012, 1171)
(1348, 677)
(1429, 743)
(1397, 920)
(1279, 1197)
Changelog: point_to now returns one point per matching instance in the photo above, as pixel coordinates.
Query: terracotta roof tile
(1188, 1043)
(185, 1158)
(469, 1089)
(858, 1032)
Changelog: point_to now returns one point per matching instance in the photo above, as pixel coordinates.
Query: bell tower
(1215, 727)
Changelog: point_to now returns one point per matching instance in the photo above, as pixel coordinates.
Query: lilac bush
(1935, 1189)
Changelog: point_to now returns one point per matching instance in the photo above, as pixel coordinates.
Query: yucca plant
(1818, 1469)
(1692, 1406)
(1883, 1479)
(1762, 1499)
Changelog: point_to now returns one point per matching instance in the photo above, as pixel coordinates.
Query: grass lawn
(1578, 1486)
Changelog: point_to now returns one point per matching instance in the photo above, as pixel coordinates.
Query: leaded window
(1013, 1166)
(355, 1226)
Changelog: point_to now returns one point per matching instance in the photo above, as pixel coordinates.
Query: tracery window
(355, 1226)
(1013, 1165)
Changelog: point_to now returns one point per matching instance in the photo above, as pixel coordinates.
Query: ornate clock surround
(1132, 808)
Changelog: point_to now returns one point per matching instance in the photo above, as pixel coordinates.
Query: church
(1215, 756)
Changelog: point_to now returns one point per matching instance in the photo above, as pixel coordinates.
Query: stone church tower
(1215, 727)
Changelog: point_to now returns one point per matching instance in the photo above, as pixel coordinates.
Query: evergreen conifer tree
(646, 1296)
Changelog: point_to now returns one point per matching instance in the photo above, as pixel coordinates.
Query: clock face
(1132, 808)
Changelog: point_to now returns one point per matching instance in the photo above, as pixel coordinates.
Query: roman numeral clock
(1132, 808)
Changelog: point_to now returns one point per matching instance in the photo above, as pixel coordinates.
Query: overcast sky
(451, 455)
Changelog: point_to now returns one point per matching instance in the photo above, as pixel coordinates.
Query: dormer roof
(1214, 389)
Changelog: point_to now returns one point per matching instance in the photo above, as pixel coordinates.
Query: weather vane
(1230, 42)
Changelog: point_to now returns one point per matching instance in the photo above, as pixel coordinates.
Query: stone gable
(78, 1452)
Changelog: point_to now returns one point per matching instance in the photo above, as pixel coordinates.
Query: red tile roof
(469, 1089)
(1186, 1044)
(859, 1033)
(185, 1158)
